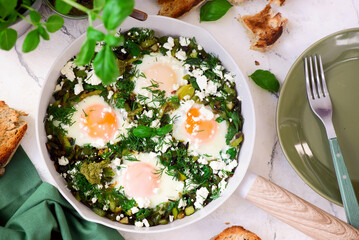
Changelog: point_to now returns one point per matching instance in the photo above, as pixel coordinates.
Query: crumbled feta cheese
(139, 224)
(229, 77)
(63, 161)
(182, 204)
(181, 55)
(183, 41)
(169, 44)
(134, 210)
(93, 79)
(58, 87)
(94, 200)
(202, 82)
(155, 123)
(110, 94)
(49, 137)
(99, 46)
(217, 165)
(199, 47)
(202, 160)
(222, 185)
(118, 218)
(123, 51)
(68, 71)
(171, 218)
(78, 87)
(145, 222)
(218, 70)
(201, 196)
(149, 113)
(143, 202)
(105, 207)
(51, 117)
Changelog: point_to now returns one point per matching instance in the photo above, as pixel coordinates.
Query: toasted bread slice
(236, 2)
(278, 2)
(236, 233)
(177, 8)
(12, 130)
(264, 28)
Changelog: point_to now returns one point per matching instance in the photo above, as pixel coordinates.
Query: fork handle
(347, 193)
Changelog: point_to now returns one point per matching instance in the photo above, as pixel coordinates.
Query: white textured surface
(22, 75)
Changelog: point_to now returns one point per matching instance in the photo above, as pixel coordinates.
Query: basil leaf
(265, 80)
(105, 65)
(7, 38)
(143, 131)
(214, 10)
(35, 16)
(54, 23)
(86, 53)
(62, 7)
(164, 130)
(98, 5)
(115, 12)
(43, 33)
(95, 34)
(31, 41)
(113, 41)
(7, 7)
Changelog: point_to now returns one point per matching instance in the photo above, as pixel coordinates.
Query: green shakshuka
(156, 145)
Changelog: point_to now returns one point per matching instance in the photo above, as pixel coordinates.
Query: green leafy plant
(266, 80)
(214, 10)
(11, 10)
(114, 13)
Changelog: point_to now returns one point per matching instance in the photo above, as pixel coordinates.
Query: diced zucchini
(99, 212)
(186, 90)
(124, 220)
(189, 210)
(175, 212)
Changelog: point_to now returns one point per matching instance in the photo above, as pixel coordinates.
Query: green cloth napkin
(32, 209)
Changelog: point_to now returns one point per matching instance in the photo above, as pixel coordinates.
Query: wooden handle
(299, 213)
(347, 193)
(139, 15)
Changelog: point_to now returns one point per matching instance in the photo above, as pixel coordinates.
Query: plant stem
(77, 5)
(28, 7)
(24, 18)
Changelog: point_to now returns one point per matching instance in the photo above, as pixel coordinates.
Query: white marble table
(22, 75)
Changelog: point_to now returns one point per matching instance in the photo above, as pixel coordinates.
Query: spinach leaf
(214, 10)
(143, 131)
(265, 80)
(7, 38)
(105, 65)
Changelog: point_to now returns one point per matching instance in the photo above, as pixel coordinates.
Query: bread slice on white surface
(263, 28)
(177, 8)
(12, 130)
(236, 233)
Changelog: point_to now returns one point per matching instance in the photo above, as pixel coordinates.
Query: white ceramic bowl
(162, 26)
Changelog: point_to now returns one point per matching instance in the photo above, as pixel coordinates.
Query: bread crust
(278, 2)
(12, 130)
(177, 8)
(264, 28)
(236, 233)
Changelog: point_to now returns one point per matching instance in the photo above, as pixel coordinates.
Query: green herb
(164, 130)
(143, 131)
(214, 10)
(7, 38)
(265, 80)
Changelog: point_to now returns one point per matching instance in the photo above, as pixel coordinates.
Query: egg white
(81, 137)
(150, 60)
(169, 188)
(196, 147)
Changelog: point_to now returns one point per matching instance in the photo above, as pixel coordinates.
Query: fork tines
(314, 77)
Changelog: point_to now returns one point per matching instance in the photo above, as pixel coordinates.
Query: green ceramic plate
(302, 135)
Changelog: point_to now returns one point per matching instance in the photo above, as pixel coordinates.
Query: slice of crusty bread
(236, 2)
(236, 233)
(177, 8)
(264, 28)
(12, 130)
(278, 2)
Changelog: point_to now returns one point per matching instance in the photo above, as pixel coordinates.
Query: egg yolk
(163, 74)
(200, 129)
(140, 180)
(99, 121)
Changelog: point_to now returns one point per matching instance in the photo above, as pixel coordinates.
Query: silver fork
(319, 101)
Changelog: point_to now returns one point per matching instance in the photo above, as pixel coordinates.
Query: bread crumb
(256, 63)
(264, 28)
(227, 223)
